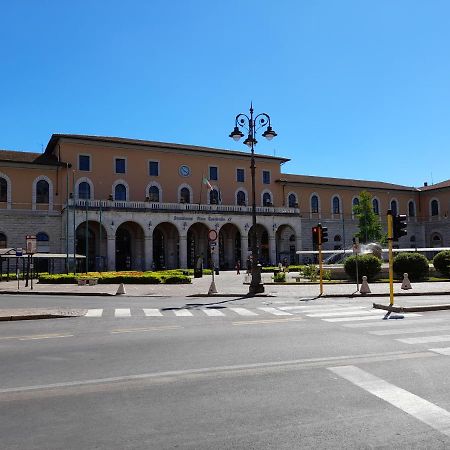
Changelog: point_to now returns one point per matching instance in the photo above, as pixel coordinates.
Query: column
(148, 252)
(182, 248)
(111, 253)
(244, 250)
(273, 249)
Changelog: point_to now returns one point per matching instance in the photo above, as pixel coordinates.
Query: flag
(206, 181)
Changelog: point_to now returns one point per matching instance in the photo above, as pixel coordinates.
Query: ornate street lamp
(252, 125)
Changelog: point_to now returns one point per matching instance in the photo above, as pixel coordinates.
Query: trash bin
(198, 273)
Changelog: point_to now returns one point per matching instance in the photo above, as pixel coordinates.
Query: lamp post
(252, 125)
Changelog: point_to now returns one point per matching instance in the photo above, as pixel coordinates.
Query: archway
(229, 246)
(285, 244)
(86, 239)
(197, 245)
(166, 246)
(130, 247)
(262, 243)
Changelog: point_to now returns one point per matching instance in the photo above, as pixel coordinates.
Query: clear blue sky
(355, 89)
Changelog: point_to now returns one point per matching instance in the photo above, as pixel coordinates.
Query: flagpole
(201, 191)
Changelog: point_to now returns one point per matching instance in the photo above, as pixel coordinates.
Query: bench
(87, 281)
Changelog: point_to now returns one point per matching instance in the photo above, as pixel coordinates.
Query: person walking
(238, 267)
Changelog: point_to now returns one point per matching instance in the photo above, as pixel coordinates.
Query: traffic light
(399, 225)
(323, 234)
(315, 235)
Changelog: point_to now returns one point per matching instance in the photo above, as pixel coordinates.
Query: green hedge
(414, 264)
(441, 262)
(368, 265)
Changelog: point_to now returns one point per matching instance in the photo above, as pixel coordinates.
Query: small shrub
(177, 279)
(441, 262)
(326, 275)
(279, 277)
(311, 271)
(414, 264)
(368, 265)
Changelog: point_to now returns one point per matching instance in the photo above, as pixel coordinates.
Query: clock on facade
(184, 171)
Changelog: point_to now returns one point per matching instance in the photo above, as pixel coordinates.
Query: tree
(369, 223)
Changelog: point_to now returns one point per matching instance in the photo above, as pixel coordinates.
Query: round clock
(184, 171)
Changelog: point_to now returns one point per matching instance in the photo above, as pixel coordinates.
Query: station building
(137, 205)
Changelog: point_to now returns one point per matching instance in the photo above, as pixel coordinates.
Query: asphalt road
(254, 373)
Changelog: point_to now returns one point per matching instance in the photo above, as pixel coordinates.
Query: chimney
(425, 184)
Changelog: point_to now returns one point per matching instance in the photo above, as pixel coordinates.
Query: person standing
(238, 267)
(249, 265)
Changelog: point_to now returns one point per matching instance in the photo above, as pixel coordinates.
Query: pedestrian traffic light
(315, 235)
(399, 225)
(323, 234)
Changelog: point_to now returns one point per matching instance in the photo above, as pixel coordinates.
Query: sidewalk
(228, 284)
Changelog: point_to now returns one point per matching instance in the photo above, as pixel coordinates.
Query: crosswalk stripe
(182, 313)
(443, 351)
(122, 312)
(275, 312)
(394, 323)
(410, 330)
(353, 319)
(213, 312)
(151, 312)
(318, 308)
(341, 313)
(425, 339)
(243, 312)
(94, 313)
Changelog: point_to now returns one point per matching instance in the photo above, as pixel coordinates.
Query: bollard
(121, 289)
(406, 284)
(365, 289)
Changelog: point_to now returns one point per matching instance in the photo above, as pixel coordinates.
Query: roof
(27, 157)
(441, 185)
(365, 184)
(163, 145)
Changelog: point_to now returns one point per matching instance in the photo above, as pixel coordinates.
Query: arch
(266, 198)
(5, 189)
(120, 190)
(436, 239)
(84, 191)
(42, 193)
(197, 245)
(262, 243)
(411, 208)
(434, 207)
(230, 246)
(130, 246)
(314, 201)
(285, 247)
(185, 193)
(241, 197)
(393, 206)
(3, 240)
(165, 246)
(292, 200)
(376, 206)
(336, 205)
(91, 187)
(151, 193)
(42, 242)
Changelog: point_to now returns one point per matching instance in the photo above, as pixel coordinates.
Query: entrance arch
(229, 246)
(197, 245)
(166, 246)
(130, 247)
(285, 244)
(262, 243)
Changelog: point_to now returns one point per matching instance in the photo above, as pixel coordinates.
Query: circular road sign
(212, 235)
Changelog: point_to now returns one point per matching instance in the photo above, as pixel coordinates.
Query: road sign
(19, 251)
(212, 235)
(212, 244)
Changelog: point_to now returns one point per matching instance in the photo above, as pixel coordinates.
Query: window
(411, 209)
(336, 205)
(120, 193)
(153, 168)
(42, 242)
(84, 190)
(355, 201)
(434, 208)
(267, 199)
(213, 173)
(3, 190)
(292, 201)
(214, 197)
(240, 175)
(394, 207)
(185, 195)
(240, 197)
(153, 194)
(120, 165)
(314, 204)
(42, 191)
(266, 177)
(84, 162)
(2, 240)
(376, 206)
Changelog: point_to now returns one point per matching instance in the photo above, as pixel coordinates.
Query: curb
(35, 316)
(86, 294)
(400, 309)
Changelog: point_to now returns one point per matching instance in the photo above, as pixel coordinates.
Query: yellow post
(320, 268)
(391, 266)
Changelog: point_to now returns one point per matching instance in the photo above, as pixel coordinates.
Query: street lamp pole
(252, 125)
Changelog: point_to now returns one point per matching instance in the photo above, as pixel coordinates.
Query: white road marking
(122, 312)
(318, 308)
(267, 321)
(182, 313)
(139, 330)
(213, 312)
(410, 330)
(48, 336)
(417, 407)
(152, 312)
(341, 313)
(394, 323)
(425, 339)
(94, 313)
(352, 319)
(275, 311)
(243, 312)
(442, 351)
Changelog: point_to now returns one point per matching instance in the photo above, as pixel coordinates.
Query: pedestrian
(249, 265)
(238, 267)
(285, 265)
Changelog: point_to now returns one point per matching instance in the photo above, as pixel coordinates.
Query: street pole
(87, 237)
(391, 266)
(320, 268)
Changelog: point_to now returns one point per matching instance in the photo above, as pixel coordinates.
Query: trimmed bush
(279, 277)
(414, 264)
(441, 262)
(58, 279)
(177, 279)
(311, 271)
(368, 265)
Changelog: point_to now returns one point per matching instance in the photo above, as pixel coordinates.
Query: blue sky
(355, 89)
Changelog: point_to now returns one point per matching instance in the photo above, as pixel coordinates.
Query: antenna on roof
(42, 148)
